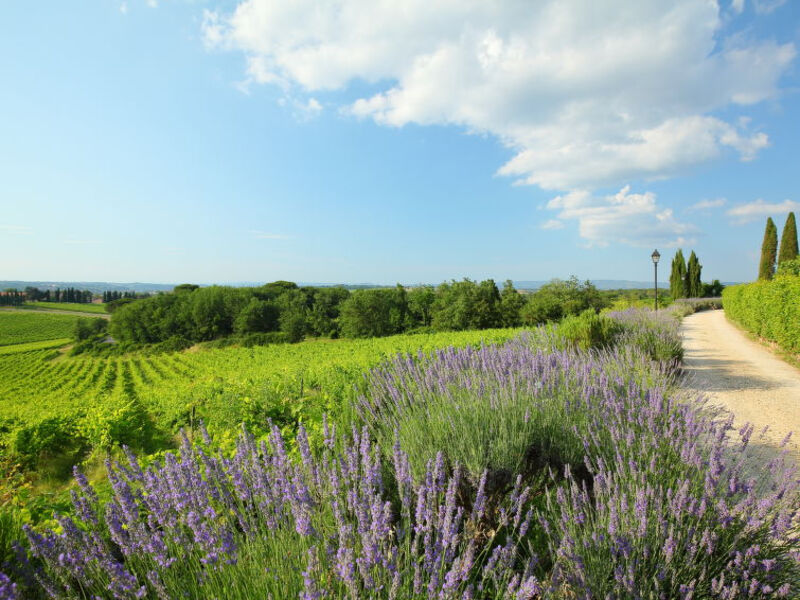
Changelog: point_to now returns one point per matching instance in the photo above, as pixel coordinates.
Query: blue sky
(360, 141)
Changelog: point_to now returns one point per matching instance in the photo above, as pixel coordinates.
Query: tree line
(772, 260)
(111, 295)
(70, 294)
(284, 311)
(684, 279)
(11, 297)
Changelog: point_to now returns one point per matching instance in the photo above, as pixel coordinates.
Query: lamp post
(655, 256)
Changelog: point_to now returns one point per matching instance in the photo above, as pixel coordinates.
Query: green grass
(71, 306)
(20, 327)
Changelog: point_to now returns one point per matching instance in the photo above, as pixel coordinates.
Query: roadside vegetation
(770, 307)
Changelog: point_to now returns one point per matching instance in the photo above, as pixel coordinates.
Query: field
(18, 327)
(53, 402)
(71, 306)
(557, 462)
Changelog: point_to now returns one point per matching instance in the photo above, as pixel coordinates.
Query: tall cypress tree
(769, 251)
(694, 287)
(677, 278)
(788, 249)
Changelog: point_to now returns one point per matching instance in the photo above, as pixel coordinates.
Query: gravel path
(742, 376)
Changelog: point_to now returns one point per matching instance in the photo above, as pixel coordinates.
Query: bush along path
(625, 490)
(742, 376)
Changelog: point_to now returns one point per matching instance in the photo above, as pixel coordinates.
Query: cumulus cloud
(633, 219)
(737, 5)
(586, 94)
(705, 205)
(744, 213)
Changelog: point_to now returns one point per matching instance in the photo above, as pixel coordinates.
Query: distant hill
(92, 286)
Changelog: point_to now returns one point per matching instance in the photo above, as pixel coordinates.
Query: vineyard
(56, 403)
(20, 327)
(71, 306)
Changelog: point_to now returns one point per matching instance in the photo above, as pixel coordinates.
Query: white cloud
(152, 3)
(744, 213)
(16, 229)
(263, 235)
(123, 8)
(552, 224)
(585, 93)
(737, 6)
(705, 205)
(633, 219)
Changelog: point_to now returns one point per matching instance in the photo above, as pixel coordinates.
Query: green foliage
(589, 330)
(559, 298)
(769, 309)
(511, 303)
(769, 250)
(694, 288)
(258, 316)
(420, 306)
(90, 328)
(112, 305)
(323, 317)
(788, 249)
(677, 278)
(374, 313)
(789, 267)
(713, 289)
(21, 327)
(465, 304)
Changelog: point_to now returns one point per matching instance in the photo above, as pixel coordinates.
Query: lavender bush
(529, 470)
(261, 525)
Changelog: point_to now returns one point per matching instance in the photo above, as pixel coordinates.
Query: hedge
(770, 309)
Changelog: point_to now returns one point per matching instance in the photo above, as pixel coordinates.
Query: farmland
(561, 458)
(85, 307)
(17, 327)
(90, 403)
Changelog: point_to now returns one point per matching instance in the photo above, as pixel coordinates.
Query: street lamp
(655, 256)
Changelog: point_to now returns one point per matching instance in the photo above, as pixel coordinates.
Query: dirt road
(742, 376)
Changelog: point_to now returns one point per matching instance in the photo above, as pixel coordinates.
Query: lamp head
(655, 256)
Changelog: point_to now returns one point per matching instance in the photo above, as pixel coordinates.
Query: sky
(380, 141)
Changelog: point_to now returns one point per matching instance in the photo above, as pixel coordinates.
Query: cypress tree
(677, 278)
(788, 249)
(694, 287)
(769, 251)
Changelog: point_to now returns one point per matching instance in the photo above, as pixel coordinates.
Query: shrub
(656, 334)
(589, 330)
(769, 309)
